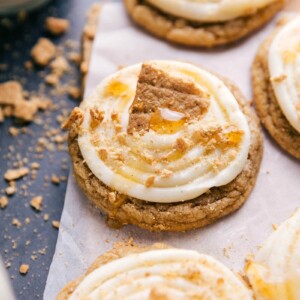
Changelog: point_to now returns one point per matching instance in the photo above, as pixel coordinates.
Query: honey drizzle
(164, 126)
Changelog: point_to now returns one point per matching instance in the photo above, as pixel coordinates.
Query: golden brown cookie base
(267, 106)
(181, 31)
(199, 212)
(119, 251)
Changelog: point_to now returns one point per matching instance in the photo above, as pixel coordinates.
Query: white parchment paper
(83, 233)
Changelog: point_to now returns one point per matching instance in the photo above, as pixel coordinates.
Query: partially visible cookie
(274, 272)
(166, 146)
(156, 273)
(276, 85)
(202, 23)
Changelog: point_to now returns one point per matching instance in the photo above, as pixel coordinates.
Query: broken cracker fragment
(16, 223)
(57, 26)
(52, 79)
(10, 190)
(3, 202)
(10, 92)
(1, 115)
(55, 224)
(279, 79)
(25, 110)
(55, 179)
(150, 181)
(35, 165)
(59, 66)
(36, 203)
(182, 144)
(76, 118)
(13, 131)
(43, 51)
(157, 89)
(74, 92)
(24, 268)
(103, 153)
(97, 117)
(13, 174)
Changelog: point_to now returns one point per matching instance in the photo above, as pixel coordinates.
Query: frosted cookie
(202, 23)
(276, 85)
(275, 272)
(165, 145)
(156, 273)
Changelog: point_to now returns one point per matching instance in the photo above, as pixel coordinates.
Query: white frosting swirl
(162, 274)
(149, 166)
(210, 10)
(284, 67)
(275, 272)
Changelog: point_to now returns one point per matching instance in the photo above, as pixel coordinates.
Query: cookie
(166, 146)
(197, 24)
(275, 79)
(156, 272)
(274, 272)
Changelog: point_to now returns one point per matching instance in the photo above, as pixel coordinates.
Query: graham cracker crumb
(182, 144)
(274, 226)
(74, 92)
(46, 217)
(59, 66)
(13, 174)
(10, 92)
(279, 78)
(76, 118)
(56, 224)
(150, 181)
(74, 57)
(55, 179)
(96, 116)
(25, 110)
(24, 269)
(52, 79)
(10, 190)
(166, 173)
(35, 165)
(1, 115)
(13, 131)
(36, 203)
(103, 153)
(57, 26)
(43, 52)
(3, 202)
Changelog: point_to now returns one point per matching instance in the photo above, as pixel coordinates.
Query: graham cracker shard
(76, 118)
(43, 51)
(157, 89)
(10, 93)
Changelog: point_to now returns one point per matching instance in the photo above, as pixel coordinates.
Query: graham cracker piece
(10, 92)
(157, 89)
(57, 26)
(43, 51)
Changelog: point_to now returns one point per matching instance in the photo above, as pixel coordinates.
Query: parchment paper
(83, 233)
